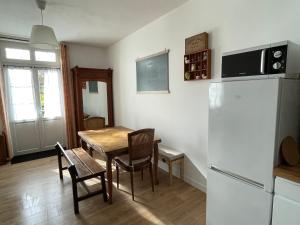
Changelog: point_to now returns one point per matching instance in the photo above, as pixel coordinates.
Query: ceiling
(92, 22)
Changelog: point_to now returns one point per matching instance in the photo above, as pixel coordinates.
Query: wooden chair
(140, 145)
(81, 167)
(94, 123)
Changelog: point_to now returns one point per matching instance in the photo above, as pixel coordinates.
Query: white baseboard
(195, 183)
(191, 181)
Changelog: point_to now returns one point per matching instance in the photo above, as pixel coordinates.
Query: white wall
(181, 117)
(87, 56)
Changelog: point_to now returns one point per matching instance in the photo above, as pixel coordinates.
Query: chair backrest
(140, 144)
(94, 123)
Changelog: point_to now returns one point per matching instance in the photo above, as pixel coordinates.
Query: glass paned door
(52, 123)
(22, 108)
(49, 91)
(21, 88)
(35, 108)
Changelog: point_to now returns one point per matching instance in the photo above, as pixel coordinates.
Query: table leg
(109, 178)
(155, 163)
(83, 144)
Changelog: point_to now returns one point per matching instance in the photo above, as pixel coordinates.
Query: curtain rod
(14, 39)
(26, 66)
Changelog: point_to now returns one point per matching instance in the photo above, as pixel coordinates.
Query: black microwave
(278, 58)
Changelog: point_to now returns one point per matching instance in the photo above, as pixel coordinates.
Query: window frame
(32, 62)
(34, 65)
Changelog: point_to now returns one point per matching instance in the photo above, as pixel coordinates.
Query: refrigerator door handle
(262, 61)
(237, 177)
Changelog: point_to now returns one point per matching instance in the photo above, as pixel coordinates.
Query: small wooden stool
(170, 156)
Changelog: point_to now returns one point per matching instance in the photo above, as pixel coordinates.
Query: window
(22, 97)
(14, 53)
(33, 85)
(49, 93)
(45, 56)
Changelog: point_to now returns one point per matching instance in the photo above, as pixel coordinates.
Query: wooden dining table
(112, 142)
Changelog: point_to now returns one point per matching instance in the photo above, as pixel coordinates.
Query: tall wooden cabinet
(80, 78)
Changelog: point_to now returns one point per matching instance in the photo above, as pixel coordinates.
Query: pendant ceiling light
(42, 36)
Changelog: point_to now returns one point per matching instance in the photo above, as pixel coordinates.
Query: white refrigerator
(247, 121)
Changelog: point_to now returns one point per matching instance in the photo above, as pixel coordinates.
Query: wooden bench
(170, 156)
(81, 167)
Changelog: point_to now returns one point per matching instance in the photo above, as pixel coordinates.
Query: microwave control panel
(277, 59)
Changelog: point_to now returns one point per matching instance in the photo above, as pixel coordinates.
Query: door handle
(262, 61)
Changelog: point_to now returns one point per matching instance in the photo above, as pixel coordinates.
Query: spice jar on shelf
(186, 60)
(204, 56)
(193, 67)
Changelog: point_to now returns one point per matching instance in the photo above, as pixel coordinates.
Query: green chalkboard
(152, 73)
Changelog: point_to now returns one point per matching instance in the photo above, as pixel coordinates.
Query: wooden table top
(291, 173)
(108, 139)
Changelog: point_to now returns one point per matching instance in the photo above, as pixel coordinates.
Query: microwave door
(244, 64)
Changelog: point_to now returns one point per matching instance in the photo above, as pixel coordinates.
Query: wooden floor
(32, 193)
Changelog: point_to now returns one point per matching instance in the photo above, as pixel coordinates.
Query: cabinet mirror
(93, 98)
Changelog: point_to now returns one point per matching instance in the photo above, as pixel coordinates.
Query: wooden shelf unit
(198, 65)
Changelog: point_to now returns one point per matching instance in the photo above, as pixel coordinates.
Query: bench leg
(170, 172)
(59, 164)
(75, 196)
(103, 188)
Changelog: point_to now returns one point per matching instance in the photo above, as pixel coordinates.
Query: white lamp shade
(43, 37)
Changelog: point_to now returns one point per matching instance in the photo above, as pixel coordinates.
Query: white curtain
(52, 101)
(4, 117)
(21, 89)
(21, 93)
